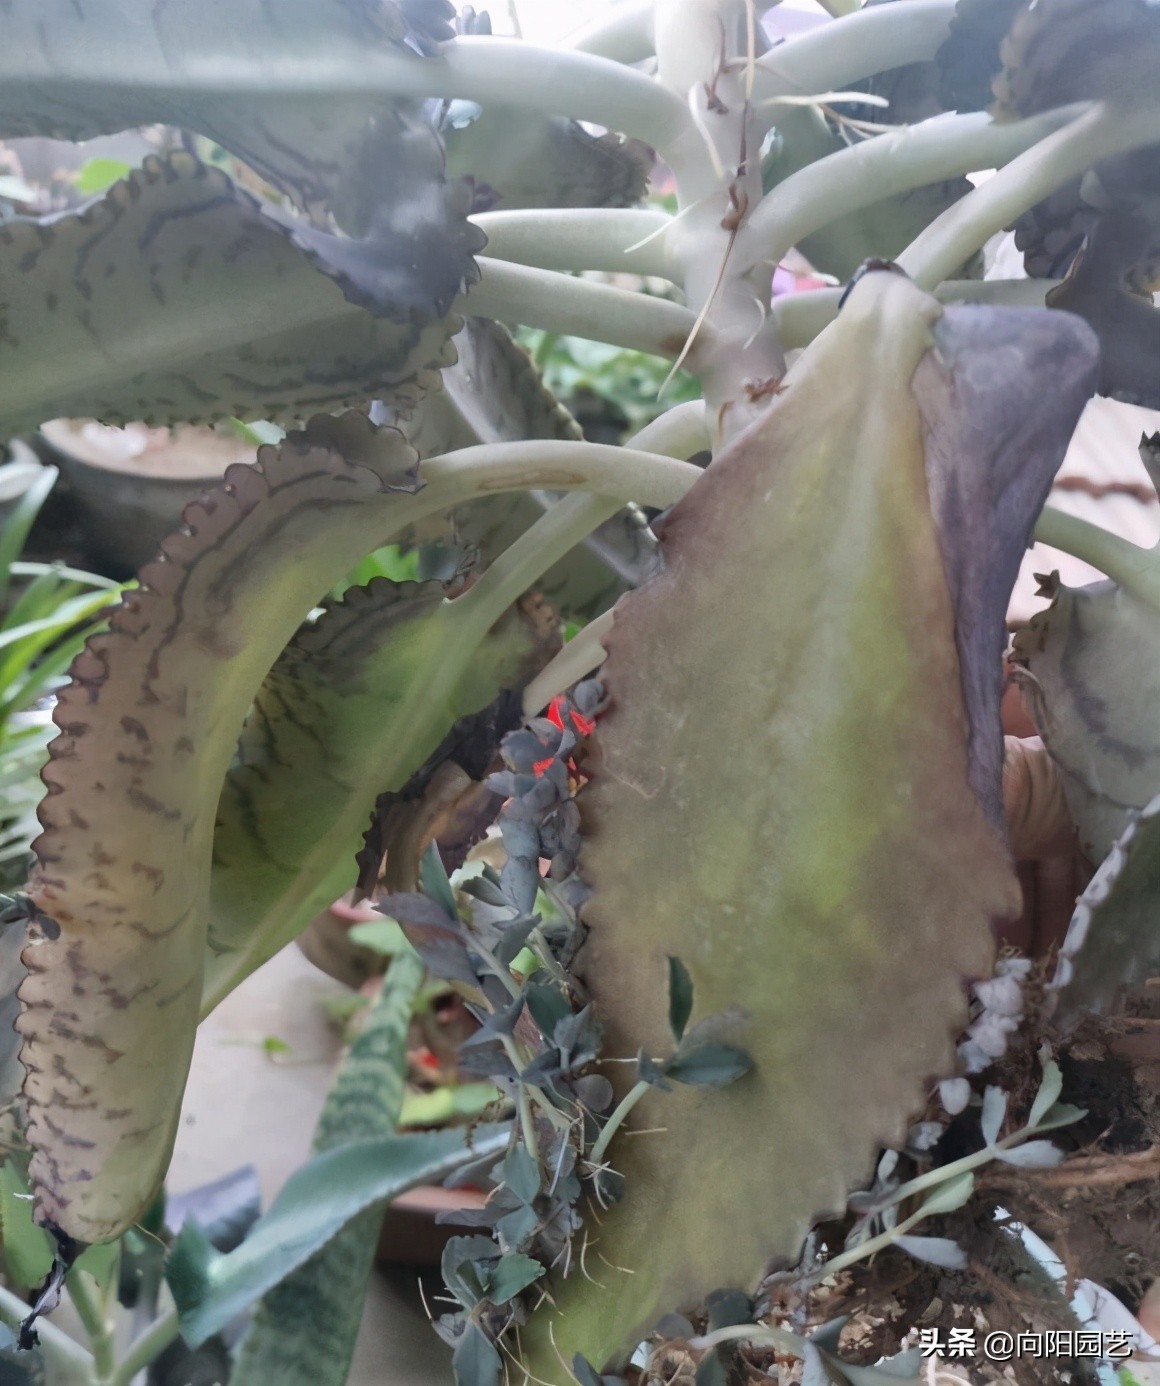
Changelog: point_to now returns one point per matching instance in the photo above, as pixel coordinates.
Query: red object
(581, 725)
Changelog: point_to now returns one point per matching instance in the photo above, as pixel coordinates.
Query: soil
(1098, 1210)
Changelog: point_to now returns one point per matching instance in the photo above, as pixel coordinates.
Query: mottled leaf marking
(148, 726)
(176, 297)
(495, 394)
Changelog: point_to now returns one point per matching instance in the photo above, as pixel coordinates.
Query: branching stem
(946, 146)
(1136, 569)
(835, 56)
(146, 1348)
(560, 303)
(581, 238)
(952, 238)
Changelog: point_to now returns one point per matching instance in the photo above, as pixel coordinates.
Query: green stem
(616, 1121)
(946, 146)
(566, 524)
(624, 36)
(760, 1333)
(800, 317)
(871, 1247)
(582, 655)
(91, 1312)
(146, 1348)
(837, 55)
(61, 1352)
(580, 238)
(680, 431)
(560, 303)
(951, 239)
(1136, 569)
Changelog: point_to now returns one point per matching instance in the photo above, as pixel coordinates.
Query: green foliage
(316, 1346)
(612, 391)
(47, 614)
(317, 1202)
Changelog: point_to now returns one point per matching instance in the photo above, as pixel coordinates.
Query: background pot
(129, 485)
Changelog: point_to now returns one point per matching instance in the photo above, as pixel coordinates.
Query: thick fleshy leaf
(149, 725)
(1093, 665)
(177, 297)
(1109, 286)
(354, 707)
(1112, 938)
(525, 159)
(1059, 51)
(969, 60)
(316, 1203)
(78, 70)
(781, 796)
(990, 460)
(494, 394)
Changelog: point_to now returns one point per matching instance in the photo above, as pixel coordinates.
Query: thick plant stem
(91, 1312)
(1135, 569)
(625, 35)
(855, 47)
(799, 318)
(579, 307)
(568, 523)
(957, 234)
(146, 1348)
(509, 72)
(551, 465)
(718, 170)
(679, 432)
(580, 238)
(582, 655)
(946, 146)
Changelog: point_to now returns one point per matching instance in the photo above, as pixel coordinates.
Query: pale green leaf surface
(149, 725)
(177, 297)
(780, 795)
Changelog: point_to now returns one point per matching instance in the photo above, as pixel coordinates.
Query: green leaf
(435, 882)
(283, 1345)
(476, 1361)
(256, 313)
(949, 1196)
(511, 1274)
(380, 936)
(709, 1066)
(785, 798)
(680, 997)
(330, 145)
(19, 522)
(99, 175)
(1094, 662)
(1050, 1086)
(316, 1203)
(27, 1249)
(442, 1105)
